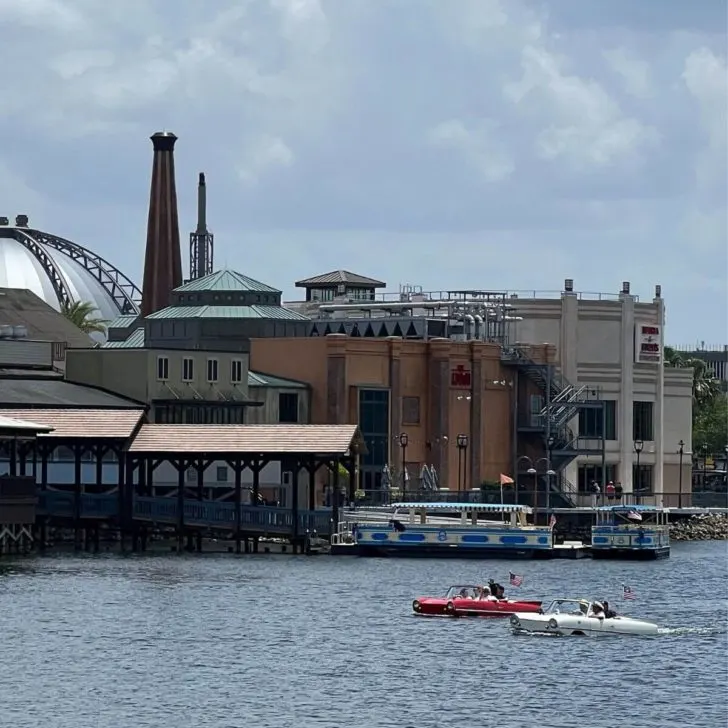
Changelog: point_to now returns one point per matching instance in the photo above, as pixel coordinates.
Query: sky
(450, 144)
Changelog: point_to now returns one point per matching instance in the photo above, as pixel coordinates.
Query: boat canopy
(478, 507)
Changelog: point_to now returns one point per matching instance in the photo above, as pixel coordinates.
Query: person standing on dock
(596, 491)
(610, 492)
(618, 492)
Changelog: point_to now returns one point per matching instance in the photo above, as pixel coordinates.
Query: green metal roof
(122, 322)
(258, 379)
(228, 312)
(134, 341)
(226, 280)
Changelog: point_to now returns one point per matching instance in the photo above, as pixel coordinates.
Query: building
(455, 402)
(715, 357)
(61, 272)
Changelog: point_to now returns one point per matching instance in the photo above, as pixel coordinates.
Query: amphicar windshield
(576, 607)
(462, 592)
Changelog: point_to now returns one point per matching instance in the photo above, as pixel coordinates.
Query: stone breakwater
(700, 528)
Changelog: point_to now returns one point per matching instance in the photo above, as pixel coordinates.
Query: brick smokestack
(163, 258)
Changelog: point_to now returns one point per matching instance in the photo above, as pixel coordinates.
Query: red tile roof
(81, 423)
(308, 439)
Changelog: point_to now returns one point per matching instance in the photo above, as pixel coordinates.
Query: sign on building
(460, 377)
(647, 344)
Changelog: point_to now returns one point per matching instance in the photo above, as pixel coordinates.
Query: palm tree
(80, 315)
(705, 386)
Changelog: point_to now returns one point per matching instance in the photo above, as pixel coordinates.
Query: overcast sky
(446, 143)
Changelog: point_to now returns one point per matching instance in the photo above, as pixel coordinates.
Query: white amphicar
(578, 617)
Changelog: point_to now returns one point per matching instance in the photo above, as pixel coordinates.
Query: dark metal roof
(228, 312)
(23, 307)
(259, 379)
(226, 280)
(32, 392)
(335, 277)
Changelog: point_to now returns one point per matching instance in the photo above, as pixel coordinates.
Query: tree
(706, 387)
(710, 426)
(80, 315)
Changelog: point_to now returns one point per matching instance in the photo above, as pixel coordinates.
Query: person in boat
(597, 610)
(609, 613)
(497, 589)
(485, 594)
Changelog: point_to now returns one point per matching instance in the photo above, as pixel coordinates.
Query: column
(477, 451)
(336, 404)
(438, 410)
(395, 388)
(659, 429)
(626, 390)
(569, 358)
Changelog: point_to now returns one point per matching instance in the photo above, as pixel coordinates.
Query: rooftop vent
(21, 221)
(658, 291)
(13, 332)
(4, 221)
(569, 285)
(625, 287)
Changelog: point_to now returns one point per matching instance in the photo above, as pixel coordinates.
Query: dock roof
(248, 439)
(13, 425)
(82, 423)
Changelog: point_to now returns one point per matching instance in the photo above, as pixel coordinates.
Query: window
(590, 421)
(535, 419)
(642, 479)
(236, 371)
(288, 407)
(222, 473)
(188, 369)
(162, 368)
(643, 421)
(410, 410)
(212, 370)
(589, 473)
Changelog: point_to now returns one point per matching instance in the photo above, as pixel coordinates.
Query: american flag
(515, 579)
(627, 592)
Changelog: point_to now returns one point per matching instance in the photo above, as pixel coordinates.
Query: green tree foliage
(710, 403)
(80, 314)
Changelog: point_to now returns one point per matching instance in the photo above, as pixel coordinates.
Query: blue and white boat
(458, 530)
(631, 532)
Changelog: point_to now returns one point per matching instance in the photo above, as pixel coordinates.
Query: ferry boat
(457, 530)
(630, 532)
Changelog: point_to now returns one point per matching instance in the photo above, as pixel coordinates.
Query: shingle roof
(20, 306)
(335, 277)
(258, 379)
(135, 340)
(83, 423)
(248, 439)
(228, 312)
(47, 392)
(226, 280)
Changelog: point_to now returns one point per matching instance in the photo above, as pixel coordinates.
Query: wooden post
(181, 468)
(77, 451)
(256, 468)
(238, 467)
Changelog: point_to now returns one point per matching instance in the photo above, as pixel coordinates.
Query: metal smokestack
(201, 241)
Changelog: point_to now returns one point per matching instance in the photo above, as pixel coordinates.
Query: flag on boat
(505, 480)
(627, 592)
(634, 516)
(552, 521)
(515, 579)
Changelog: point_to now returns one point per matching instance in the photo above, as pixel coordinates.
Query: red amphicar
(472, 601)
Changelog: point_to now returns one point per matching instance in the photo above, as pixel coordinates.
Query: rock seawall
(700, 528)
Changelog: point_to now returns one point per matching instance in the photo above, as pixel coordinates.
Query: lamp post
(550, 472)
(680, 452)
(403, 442)
(462, 444)
(638, 447)
(705, 462)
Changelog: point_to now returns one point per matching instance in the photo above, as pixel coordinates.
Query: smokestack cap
(202, 178)
(625, 286)
(658, 291)
(569, 285)
(163, 141)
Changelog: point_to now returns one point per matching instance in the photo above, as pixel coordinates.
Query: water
(271, 641)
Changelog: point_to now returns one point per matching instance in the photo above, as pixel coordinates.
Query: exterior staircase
(563, 404)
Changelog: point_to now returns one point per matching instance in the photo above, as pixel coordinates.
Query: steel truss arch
(122, 290)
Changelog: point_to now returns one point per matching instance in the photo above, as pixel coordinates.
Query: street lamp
(705, 462)
(529, 471)
(462, 444)
(680, 452)
(638, 447)
(550, 472)
(403, 442)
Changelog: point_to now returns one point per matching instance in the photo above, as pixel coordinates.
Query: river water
(264, 641)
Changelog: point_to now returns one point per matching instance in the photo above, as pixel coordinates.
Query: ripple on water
(222, 642)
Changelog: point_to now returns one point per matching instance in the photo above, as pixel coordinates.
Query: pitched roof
(247, 439)
(258, 379)
(47, 392)
(83, 423)
(135, 340)
(226, 280)
(23, 307)
(21, 425)
(336, 277)
(228, 312)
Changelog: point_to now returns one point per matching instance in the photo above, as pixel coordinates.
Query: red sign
(460, 377)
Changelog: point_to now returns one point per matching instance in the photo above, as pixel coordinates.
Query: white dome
(21, 267)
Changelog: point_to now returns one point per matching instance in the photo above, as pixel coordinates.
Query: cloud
(492, 143)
